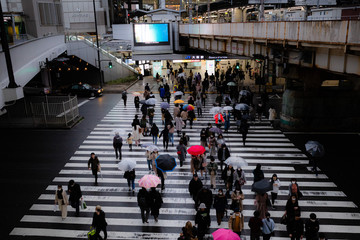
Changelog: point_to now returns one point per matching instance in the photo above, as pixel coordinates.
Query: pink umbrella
(225, 234)
(196, 150)
(149, 181)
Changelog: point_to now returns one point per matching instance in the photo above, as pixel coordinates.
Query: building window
(50, 14)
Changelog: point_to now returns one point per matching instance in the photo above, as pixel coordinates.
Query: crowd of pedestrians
(224, 197)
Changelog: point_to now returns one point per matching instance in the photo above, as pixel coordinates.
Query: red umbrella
(196, 150)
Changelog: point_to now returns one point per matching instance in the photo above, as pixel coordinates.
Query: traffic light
(110, 65)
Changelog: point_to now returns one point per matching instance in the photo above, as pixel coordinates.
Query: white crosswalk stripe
(339, 217)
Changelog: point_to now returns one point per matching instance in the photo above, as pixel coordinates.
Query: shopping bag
(91, 233)
(83, 204)
(55, 207)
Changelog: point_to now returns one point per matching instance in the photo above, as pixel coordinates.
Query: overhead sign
(268, 1)
(314, 2)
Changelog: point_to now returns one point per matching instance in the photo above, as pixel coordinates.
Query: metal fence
(54, 111)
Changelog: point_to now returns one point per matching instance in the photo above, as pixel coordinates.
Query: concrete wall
(89, 54)
(325, 110)
(33, 23)
(27, 58)
(11, 5)
(79, 16)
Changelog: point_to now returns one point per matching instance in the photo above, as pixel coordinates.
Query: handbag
(283, 220)
(178, 152)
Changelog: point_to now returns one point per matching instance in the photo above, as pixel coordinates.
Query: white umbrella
(215, 110)
(227, 108)
(121, 132)
(126, 165)
(178, 93)
(236, 161)
(151, 101)
(152, 148)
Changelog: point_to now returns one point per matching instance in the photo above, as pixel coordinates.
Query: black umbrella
(262, 186)
(165, 163)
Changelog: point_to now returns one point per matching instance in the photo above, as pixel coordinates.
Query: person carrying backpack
(236, 222)
(144, 202)
(117, 144)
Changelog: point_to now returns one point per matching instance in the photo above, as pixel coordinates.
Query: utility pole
(6, 50)
(97, 45)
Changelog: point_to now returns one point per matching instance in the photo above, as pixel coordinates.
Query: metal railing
(91, 41)
(58, 111)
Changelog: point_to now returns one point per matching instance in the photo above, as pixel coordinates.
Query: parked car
(85, 90)
(36, 88)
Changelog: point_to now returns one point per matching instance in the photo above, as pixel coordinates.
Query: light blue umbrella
(242, 107)
(126, 165)
(164, 105)
(315, 148)
(151, 101)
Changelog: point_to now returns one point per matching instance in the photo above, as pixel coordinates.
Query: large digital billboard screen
(151, 34)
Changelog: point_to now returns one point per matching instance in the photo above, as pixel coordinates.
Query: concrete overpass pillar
(236, 15)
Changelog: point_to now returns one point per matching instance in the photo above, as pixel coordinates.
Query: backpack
(118, 140)
(236, 228)
(142, 201)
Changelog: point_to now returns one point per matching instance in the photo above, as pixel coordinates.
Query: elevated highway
(332, 45)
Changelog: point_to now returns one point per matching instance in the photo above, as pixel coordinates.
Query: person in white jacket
(276, 186)
(272, 115)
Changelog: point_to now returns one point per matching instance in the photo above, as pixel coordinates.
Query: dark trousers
(244, 138)
(266, 236)
(76, 204)
(97, 233)
(117, 152)
(95, 173)
(219, 216)
(145, 214)
(165, 143)
(125, 101)
(199, 110)
(254, 237)
(273, 197)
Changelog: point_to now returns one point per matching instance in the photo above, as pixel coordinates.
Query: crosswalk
(339, 217)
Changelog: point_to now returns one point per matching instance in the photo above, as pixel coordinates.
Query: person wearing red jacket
(219, 119)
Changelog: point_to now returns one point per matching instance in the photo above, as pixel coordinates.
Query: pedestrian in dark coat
(312, 228)
(255, 224)
(165, 134)
(258, 173)
(137, 102)
(189, 232)
(75, 195)
(154, 132)
(228, 176)
(223, 154)
(144, 202)
(292, 207)
(162, 176)
(295, 227)
(124, 97)
(202, 220)
(220, 204)
(130, 177)
(194, 186)
(205, 196)
(181, 151)
(117, 144)
(156, 202)
(244, 129)
(99, 223)
(94, 166)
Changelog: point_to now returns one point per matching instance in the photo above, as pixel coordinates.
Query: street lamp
(98, 47)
